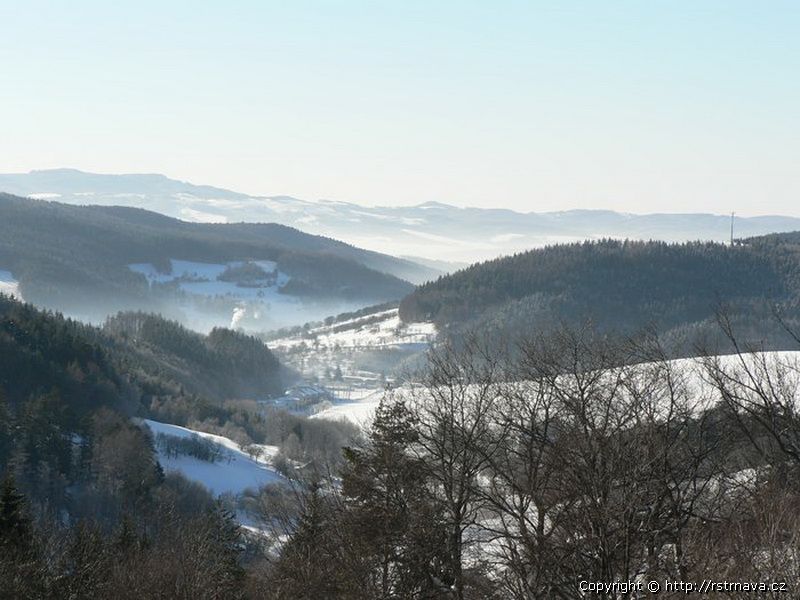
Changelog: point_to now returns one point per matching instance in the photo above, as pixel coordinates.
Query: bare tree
(601, 461)
(453, 407)
(761, 391)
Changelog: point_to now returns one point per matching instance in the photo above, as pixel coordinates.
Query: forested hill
(136, 363)
(65, 385)
(615, 284)
(221, 365)
(773, 239)
(67, 257)
(84, 499)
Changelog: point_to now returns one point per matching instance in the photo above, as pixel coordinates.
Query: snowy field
(234, 473)
(256, 305)
(8, 285)
(202, 279)
(360, 411)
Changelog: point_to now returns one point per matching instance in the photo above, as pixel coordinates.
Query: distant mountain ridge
(432, 230)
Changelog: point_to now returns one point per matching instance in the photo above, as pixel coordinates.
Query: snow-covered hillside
(356, 410)
(360, 410)
(234, 472)
(381, 329)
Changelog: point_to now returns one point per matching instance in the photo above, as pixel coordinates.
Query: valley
(252, 389)
(351, 362)
(399, 300)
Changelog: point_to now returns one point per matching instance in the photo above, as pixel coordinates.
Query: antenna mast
(733, 214)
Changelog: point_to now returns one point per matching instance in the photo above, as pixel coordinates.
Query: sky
(646, 106)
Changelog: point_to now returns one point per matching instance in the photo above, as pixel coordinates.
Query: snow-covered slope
(372, 331)
(206, 278)
(361, 409)
(358, 410)
(233, 473)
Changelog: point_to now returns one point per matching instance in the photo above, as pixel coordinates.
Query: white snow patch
(44, 196)
(263, 300)
(198, 216)
(281, 206)
(372, 215)
(8, 285)
(226, 203)
(359, 411)
(202, 279)
(129, 195)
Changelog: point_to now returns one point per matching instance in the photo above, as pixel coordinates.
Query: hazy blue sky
(640, 106)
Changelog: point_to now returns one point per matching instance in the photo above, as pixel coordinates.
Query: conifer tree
(22, 574)
(16, 529)
(392, 510)
(310, 566)
(225, 542)
(6, 440)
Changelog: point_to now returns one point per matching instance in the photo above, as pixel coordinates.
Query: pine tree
(16, 528)
(311, 564)
(224, 536)
(22, 574)
(6, 428)
(392, 510)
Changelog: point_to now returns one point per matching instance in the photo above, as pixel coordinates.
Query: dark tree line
(193, 445)
(140, 363)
